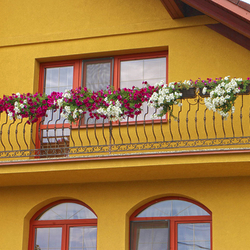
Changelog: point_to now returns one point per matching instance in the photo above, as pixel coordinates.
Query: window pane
(150, 70)
(131, 71)
(57, 79)
(82, 238)
(48, 238)
(97, 77)
(134, 72)
(172, 208)
(153, 235)
(194, 236)
(67, 211)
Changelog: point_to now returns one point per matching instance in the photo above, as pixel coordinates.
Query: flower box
(188, 93)
(202, 95)
(247, 90)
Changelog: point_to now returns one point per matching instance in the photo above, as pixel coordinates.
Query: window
(64, 225)
(56, 77)
(134, 69)
(95, 74)
(172, 223)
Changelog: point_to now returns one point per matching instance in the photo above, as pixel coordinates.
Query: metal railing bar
(214, 125)
(232, 124)
(31, 135)
(163, 137)
(103, 133)
(136, 132)
(189, 108)
(16, 132)
(144, 124)
(24, 137)
(196, 118)
(241, 123)
(1, 131)
(178, 121)
(223, 126)
(71, 137)
(9, 134)
(153, 122)
(55, 130)
(170, 127)
(119, 126)
(87, 130)
(63, 127)
(78, 132)
(128, 130)
(95, 133)
(205, 122)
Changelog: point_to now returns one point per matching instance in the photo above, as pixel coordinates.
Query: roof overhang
(224, 12)
(231, 16)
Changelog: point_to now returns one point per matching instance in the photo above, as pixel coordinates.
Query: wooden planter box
(188, 93)
(201, 95)
(247, 91)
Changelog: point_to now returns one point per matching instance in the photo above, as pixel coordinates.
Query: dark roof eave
(220, 11)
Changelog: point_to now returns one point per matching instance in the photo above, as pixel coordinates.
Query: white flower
(18, 94)
(154, 116)
(159, 83)
(233, 109)
(60, 102)
(188, 82)
(67, 109)
(17, 110)
(66, 94)
(226, 78)
(75, 114)
(238, 79)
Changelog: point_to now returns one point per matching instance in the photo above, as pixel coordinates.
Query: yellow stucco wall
(114, 203)
(32, 32)
(40, 31)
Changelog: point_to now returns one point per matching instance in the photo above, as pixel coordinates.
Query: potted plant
(164, 97)
(187, 89)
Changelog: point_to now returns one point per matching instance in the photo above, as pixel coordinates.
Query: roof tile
(234, 1)
(244, 5)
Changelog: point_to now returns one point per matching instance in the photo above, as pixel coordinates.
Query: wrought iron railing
(195, 129)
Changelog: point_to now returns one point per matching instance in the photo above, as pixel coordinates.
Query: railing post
(110, 136)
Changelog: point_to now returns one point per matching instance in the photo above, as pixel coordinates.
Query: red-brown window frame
(64, 224)
(174, 220)
(77, 65)
(79, 80)
(117, 70)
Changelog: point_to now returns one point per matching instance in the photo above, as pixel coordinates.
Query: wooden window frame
(64, 224)
(174, 220)
(79, 80)
(131, 57)
(76, 79)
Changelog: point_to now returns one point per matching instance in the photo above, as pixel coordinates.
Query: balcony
(195, 129)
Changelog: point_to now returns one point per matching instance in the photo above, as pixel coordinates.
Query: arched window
(63, 225)
(171, 223)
